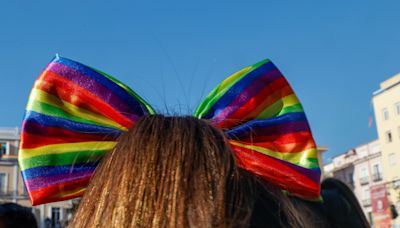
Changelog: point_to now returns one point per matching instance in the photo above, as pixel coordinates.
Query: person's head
(340, 207)
(14, 215)
(178, 172)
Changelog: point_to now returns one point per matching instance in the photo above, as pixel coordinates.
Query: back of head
(341, 206)
(176, 172)
(14, 215)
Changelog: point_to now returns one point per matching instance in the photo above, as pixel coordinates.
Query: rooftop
(9, 133)
(387, 84)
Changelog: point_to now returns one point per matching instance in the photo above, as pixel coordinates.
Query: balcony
(366, 202)
(364, 180)
(377, 177)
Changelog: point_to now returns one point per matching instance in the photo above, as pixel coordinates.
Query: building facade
(361, 169)
(386, 103)
(12, 188)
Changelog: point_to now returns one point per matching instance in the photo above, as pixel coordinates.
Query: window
(3, 148)
(392, 159)
(385, 114)
(398, 131)
(366, 197)
(376, 172)
(376, 168)
(55, 217)
(398, 108)
(370, 219)
(350, 179)
(366, 194)
(364, 172)
(388, 136)
(364, 176)
(3, 182)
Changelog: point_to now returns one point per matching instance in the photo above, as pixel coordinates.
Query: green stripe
(271, 110)
(309, 163)
(291, 109)
(50, 110)
(218, 92)
(127, 89)
(62, 159)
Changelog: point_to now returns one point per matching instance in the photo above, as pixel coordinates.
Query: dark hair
(179, 172)
(340, 207)
(13, 215)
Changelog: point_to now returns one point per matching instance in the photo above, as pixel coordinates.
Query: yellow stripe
(64, 194)
(276, 107)
(65, 148)
(233, 77)
(297, 158)
(52, 100)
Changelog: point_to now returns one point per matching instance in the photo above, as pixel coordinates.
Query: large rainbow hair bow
(75, 114)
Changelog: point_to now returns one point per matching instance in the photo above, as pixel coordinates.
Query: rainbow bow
(75, 114)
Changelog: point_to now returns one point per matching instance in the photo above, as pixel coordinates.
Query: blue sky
(174, 52)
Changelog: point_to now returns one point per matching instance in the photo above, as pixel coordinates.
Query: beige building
(360, 168)
(12, 188)
(386, 102)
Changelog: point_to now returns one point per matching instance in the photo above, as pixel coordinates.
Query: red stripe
(34, 134)
(290, 142)
(47, 194)
(277, 173)
(284, 148)
(283, 138)
(266, 97)
(52, 83)
(32, 141)
(254, 106)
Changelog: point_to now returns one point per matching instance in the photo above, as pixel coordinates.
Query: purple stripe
(41, 182)
(248, 93)
(310, 173)
(93, 86)
(42, 130)
(284, 128)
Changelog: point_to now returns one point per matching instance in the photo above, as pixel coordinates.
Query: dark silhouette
(14, 216)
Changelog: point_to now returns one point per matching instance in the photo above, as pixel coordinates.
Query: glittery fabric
(75, 114)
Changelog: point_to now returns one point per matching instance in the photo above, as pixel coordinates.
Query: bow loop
(266, 127)
(74, 116)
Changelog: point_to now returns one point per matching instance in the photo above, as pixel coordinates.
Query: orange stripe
(48, 194)
(264, 98)
(285, 148)
(277, 173)
(55, 84)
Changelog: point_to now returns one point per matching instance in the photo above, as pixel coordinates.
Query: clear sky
(174, 52)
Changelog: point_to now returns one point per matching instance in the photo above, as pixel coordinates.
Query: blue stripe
(251, 126)
(57, 170)
(239, 86)
(50, 121)
(132, 102)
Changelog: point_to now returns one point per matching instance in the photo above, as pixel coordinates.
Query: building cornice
(379, 91)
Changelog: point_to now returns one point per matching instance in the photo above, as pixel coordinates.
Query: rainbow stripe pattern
(74, 115)
(267, 128)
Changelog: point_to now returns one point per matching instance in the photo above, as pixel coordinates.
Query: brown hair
(178, 172)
